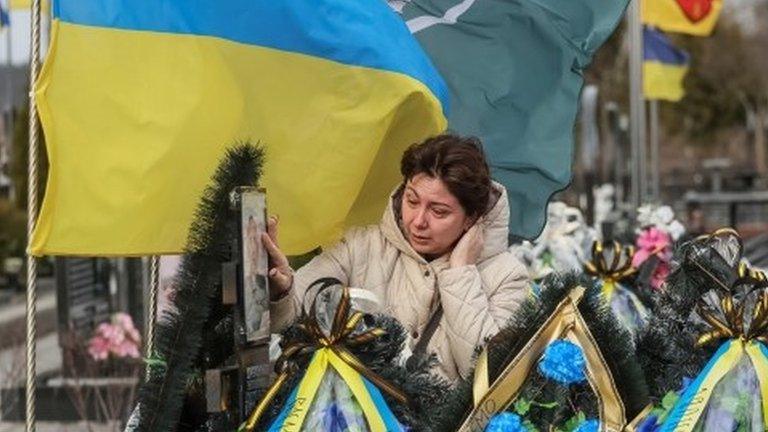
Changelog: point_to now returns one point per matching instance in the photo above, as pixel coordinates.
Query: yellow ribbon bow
(621, 265)
(337, 342)
(732, 326)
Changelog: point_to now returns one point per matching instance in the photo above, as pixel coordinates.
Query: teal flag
(514, 71)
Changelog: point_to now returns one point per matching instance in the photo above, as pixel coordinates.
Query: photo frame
(255, 265)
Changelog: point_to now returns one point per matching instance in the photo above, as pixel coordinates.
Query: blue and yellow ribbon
(377, 413)
(739, 342)
(688, 410)
(329, 351)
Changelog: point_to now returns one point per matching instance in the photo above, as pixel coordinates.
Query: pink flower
(112, 333)
(126, 323)
(98, 348)
(654, 242)
(126, 349)
(118, 337)
(660, 274)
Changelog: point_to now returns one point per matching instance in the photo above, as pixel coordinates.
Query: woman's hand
(280, 272)
(468, 249)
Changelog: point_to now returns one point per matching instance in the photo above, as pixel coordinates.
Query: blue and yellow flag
(664, 67)
(693, 17)
(140, 98)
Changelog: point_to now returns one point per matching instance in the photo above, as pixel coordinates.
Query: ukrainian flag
(140, 98)
(664, 67)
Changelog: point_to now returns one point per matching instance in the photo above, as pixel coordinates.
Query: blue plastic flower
(506, 422)
(650, 424)
(563, 361)
(588, 426)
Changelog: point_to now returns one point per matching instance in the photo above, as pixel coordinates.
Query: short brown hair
(459, 162)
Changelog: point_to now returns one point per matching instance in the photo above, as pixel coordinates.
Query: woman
(440, 250)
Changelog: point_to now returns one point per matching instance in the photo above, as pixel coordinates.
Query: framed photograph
(255, 268)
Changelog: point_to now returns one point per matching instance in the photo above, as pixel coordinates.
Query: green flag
(514, 72)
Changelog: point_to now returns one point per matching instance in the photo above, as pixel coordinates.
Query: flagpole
(654, 131)
(9, 98)
(34, 66)
(636, 107)
(9, 82)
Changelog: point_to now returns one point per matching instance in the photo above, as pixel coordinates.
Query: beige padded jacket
(476, 299)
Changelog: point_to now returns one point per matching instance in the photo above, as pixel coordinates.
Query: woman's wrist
(279, 294)
(281, 285)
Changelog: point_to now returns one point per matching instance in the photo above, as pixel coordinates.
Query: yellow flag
(694, 17)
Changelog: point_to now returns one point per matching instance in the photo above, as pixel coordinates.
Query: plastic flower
(591, 425)
(563, 361)
(660, 274)
(118, 337)
(98, 348)
(654, 242)
(506, 422)
(126, 323)
(661, 217)
(650, 424)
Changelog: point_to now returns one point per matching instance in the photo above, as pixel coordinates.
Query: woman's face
(433, 218)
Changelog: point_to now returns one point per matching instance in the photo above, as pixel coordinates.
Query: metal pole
(9, 102)
(621, 157)
(655, 175)
(34, 70)
(9, 82)
(589, 146)
(643, 156)
(636, 108)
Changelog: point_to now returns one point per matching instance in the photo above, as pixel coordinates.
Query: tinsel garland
(613, 341)
(183, 350)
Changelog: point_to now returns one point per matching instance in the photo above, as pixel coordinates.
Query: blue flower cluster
(650, 424)
(563, 361)
(506, 422)
(588, 426)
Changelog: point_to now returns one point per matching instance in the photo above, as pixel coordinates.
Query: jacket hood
(495, 224)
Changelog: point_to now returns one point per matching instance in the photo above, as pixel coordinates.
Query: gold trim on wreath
(565, 322)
